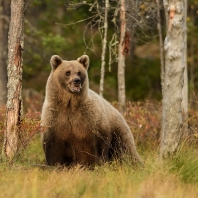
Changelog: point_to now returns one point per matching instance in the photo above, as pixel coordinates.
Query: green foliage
(44, 37)
(54, 42)
(144, 79)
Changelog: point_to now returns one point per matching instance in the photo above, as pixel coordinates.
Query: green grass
(185, 165)
(176, 178)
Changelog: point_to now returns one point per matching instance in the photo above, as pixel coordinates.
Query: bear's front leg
(53, 154)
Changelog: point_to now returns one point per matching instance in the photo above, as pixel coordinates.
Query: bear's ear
(84, 60)
(55, 61)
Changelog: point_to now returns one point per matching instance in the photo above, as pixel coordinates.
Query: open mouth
(76, 88)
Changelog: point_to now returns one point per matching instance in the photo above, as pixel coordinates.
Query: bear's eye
(68, 73)
(79, 73)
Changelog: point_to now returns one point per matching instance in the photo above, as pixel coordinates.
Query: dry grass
(177, 178)
(105, 182)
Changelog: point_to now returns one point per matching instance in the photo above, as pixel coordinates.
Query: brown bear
(81, 127)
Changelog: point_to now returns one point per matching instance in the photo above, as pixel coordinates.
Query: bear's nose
(77, 81)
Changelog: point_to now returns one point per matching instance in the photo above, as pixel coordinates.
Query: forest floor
(174, 178)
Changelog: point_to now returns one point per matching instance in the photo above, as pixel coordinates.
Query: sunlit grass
(177, 178)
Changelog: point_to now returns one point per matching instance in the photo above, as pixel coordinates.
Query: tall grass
(177, 177)
(185, 165)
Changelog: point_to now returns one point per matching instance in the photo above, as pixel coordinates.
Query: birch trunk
(172, 108)
(4, 23)
(104, 46)
(121, 59)
(14, 101)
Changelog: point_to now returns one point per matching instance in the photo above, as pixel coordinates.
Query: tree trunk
(121, 59)
(4, 24)
(159, 27)
(192, 71)
(104, 46)
(14, 101)
(192, 52)
(172, 107)
(166, 6)
(185, 87)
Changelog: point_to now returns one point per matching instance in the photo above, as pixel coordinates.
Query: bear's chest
(74, 125)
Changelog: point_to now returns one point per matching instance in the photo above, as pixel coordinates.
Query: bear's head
(70, 75)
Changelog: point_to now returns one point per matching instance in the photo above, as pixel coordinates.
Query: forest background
(44, 36)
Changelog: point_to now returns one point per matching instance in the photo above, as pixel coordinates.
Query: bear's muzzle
(76, 85)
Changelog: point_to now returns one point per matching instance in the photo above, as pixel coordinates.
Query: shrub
(144, 119)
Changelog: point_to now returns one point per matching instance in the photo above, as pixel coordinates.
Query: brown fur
(82, 127)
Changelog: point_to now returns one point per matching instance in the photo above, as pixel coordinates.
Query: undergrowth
(175, 177)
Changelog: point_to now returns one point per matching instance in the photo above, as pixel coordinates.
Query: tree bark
(104, 46)
(121, 59)
(14, 101)
(4, 24)
(172, 107)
